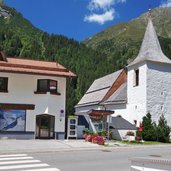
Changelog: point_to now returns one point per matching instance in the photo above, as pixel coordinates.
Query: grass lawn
(143, 142)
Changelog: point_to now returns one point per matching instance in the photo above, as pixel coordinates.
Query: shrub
(138, 136)
(149, 128)
(130, 133)
(102, 133)
(86, 131)
(163, 130)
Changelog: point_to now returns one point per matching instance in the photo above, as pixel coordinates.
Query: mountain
(121, 42)
(19, 38)
(97, 56)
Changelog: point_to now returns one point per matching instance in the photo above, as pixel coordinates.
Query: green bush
(86, 131)
(149, 129)
(163, 130)
(153, 132)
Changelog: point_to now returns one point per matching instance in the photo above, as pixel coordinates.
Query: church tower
(149, 80)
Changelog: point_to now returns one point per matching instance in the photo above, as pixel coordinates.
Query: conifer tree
(163, 130)
(149, 131)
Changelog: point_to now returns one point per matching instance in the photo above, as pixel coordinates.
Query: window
(3, 84)
(46, 85)
(136, 77)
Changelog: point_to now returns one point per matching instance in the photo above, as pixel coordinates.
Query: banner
(12, 120)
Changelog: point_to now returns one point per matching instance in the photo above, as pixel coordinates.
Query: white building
(32, 98)
(144, 87)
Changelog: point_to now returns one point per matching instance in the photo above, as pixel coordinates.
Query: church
(143, 86)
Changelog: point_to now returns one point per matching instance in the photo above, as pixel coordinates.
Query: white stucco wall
(136, 95)
(21, 88)
(159, 91)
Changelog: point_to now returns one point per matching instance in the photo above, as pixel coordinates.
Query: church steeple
(150, 47)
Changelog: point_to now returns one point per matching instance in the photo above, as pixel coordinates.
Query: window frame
(48, 89)
(5, 90)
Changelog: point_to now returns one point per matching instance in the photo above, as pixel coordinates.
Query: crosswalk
(23, 162)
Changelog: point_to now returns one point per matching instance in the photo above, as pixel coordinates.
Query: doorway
(45, 126)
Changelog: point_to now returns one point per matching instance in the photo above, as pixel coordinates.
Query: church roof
(150, 47)
(99, 89)
(119, 96)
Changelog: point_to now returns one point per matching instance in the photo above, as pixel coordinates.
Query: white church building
(144, 86)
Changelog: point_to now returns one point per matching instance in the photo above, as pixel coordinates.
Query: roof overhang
(114, 102)
(145, 61)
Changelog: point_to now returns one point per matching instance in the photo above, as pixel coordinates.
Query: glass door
(45, 126)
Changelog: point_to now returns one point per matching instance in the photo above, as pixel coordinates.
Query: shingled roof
(150, 48)
(119, 96)
(28, 66)
(99, 89)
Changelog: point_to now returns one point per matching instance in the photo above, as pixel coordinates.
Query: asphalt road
(99, 160)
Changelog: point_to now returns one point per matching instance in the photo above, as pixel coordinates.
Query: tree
(149, 131)
(163, 130)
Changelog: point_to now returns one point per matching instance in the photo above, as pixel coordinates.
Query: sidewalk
(28, 146)
(39, 146)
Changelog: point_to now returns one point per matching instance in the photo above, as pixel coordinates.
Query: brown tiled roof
(28, 66)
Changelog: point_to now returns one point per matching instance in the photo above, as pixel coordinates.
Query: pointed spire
(150, 47)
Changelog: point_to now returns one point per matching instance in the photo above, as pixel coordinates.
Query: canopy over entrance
(100, 112)
(99, 118)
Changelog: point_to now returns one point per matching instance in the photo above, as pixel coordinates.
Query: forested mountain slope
(121, 42)
(101, 54)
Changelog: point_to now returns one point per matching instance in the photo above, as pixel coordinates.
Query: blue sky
(80, 19)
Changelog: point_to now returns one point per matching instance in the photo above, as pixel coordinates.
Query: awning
(100, 112)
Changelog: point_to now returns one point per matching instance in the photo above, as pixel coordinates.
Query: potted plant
(130, 136)
(100, 140)
(85, 133)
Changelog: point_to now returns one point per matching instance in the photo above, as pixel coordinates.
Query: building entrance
(45, 126)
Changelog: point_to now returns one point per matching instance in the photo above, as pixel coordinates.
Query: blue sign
(12, 120)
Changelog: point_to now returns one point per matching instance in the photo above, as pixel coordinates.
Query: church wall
(136, 106)
(159, 90)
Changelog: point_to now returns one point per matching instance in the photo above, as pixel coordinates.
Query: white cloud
(97, 4)
(100, 18)
(101, 11)
(166, 3)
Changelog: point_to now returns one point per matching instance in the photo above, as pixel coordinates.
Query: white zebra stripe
(49, 169)
(15, 158)
(23, 161)
(19, 162)
(14, 155)
(22, 166)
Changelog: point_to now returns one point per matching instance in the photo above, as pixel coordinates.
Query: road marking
(49, 169)
(23, 166)
(15, 158)
(20, 162)
(23, 161)
(14, 155)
